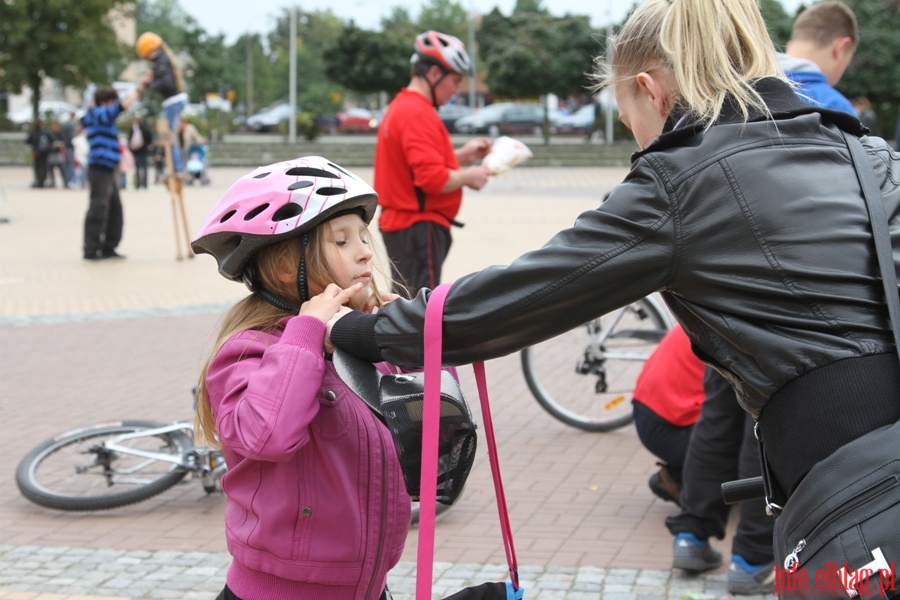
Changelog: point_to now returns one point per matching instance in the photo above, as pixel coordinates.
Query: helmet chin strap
(276, 300)
(273, 299)
(433, 86)
(302, 287)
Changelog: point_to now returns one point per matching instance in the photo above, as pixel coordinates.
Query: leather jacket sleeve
(611, 256)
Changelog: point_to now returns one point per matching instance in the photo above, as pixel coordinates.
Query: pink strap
(428, 481)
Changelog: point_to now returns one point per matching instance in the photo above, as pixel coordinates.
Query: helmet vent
(288, 211)
(310, 172)
(331, 191)
(253, 213)
(261, 175)
(341, 170)
(227, 216)
(299, 185)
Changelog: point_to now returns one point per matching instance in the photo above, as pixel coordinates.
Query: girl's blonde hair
(253, 313)
(176, 67)
(713, 49)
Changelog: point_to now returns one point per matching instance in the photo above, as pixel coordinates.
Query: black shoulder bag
(839, 532)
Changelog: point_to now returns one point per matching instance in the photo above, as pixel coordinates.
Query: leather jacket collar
(779, 96)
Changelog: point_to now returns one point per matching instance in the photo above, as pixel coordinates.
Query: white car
(49, 110)
(269, 119)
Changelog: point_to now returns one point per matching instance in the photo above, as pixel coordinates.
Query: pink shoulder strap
(428, 482)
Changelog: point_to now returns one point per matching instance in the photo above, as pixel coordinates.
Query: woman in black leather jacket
(743, 209)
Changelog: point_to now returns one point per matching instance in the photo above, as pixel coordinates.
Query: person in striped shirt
(104, 219)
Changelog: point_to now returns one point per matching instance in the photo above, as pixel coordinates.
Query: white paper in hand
(506, 153)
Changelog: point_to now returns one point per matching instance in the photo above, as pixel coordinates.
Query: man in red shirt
(417, 171)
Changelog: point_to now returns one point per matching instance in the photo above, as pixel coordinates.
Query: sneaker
(664, 486)
(694, 555)
(744, 578)
(110, 254)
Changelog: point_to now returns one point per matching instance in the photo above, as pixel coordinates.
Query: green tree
(168, 20)
(445, 16)
(532, 53)
(71, 41)
(778, 21)
(875, 69)
(368, 62)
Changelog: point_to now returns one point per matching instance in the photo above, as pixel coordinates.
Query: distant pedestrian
(80, 151)
(67, 133)
(104, 219)
(126, 162)
(140, 140)
(865, 112)
(56, 160)
(41, 141)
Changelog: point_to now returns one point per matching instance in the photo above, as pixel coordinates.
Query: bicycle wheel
(76, 471)
(585, 376)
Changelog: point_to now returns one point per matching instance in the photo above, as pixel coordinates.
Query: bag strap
(880, 231)
(433, 335)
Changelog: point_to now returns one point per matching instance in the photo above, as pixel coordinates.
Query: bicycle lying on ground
(110, 465)
(607, 354)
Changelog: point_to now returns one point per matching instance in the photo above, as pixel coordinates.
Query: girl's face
(643, 105)
(347, 252)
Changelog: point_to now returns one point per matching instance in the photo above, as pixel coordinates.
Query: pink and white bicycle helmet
(275, 202)
(443, 49)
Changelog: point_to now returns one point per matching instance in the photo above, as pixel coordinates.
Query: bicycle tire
(571, 396)
(60, 472)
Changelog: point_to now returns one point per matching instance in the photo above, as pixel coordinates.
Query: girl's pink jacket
(316, 502)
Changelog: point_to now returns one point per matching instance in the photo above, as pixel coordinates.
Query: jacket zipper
(384, 507)
(792, 560)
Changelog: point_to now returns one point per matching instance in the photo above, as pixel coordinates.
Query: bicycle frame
(202, 461)
(188, 460)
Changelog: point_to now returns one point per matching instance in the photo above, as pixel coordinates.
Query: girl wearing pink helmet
(316, 501)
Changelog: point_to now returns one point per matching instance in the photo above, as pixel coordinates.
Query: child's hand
(325, 305)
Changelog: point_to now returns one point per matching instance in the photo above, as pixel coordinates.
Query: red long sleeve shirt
(413, 160)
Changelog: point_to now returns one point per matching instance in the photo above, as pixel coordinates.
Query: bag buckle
(772, 509)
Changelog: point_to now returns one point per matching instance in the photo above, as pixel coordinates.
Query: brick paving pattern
(91, 342)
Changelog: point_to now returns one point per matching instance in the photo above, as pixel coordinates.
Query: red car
(357, 120)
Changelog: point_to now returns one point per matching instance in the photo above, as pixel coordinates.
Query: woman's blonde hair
(713, 49)
(268, 269)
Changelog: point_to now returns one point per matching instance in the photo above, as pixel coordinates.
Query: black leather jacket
(756, 235)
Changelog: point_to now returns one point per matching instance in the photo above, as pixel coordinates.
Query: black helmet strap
(444, 73)
(273, 299)
(302, 286)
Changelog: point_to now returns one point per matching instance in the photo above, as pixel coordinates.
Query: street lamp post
(292, 84)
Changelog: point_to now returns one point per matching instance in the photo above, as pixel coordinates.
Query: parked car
(49, 110)
(357, 120)
(269, 119)
(581, 121)
(504, 118)
(449, 113)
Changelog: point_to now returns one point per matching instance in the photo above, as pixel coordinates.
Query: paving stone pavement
(84, 343)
